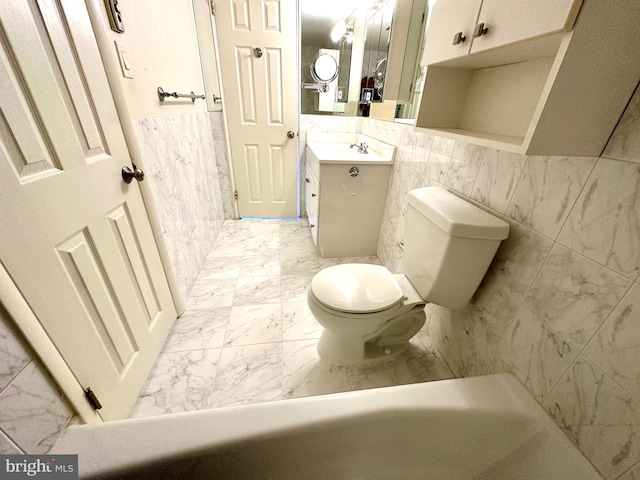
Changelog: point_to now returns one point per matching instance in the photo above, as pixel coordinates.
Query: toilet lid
(356, 288)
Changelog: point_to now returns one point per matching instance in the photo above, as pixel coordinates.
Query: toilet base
(353, 351)
(389, 341)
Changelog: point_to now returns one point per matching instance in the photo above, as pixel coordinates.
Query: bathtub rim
(101, 450)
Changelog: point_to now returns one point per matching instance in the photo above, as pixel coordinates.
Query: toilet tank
(448, 245)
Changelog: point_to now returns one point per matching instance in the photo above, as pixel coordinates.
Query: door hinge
(93, 400)
(235, 194)
(212, 4)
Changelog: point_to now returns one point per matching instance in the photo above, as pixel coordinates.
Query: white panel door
(261, 102)
(74, 237)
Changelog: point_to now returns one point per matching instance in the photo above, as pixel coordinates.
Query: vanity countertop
(329, 152)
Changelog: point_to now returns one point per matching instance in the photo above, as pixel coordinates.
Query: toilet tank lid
(455, 216)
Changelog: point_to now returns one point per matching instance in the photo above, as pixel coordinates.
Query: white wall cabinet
(549, 77)
(510, 21)
(457, 28)
(448, 20)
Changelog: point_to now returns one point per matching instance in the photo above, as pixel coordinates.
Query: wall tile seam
(626, 276)
(13, 443)
(13, 379)
(171, 115)
(624, 160)
(628, 470)
(578, 197)
(564, 374)
(444, 359)
(516, 185)
(581, 353)
(595, 333)
(59, 395)
(541, 402)
(580, 350)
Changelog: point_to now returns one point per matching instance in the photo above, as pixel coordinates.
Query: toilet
(368, 313)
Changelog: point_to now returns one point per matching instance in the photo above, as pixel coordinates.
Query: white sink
(335, 148)
(342, 153)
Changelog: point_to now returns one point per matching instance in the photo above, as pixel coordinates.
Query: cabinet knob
(312, 225)
(480, 30)
(313, 194)
(459, 38)
(307, 180)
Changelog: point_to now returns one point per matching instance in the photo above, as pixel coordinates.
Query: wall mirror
(377, 46)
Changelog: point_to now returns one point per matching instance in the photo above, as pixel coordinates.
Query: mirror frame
(314, 70)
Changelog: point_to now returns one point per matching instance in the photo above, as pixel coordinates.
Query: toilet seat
(357, 288)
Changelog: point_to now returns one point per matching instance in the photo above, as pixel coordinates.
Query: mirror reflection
(324, 70)
(377, 46)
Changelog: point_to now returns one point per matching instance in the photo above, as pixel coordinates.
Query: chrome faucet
(362, 147)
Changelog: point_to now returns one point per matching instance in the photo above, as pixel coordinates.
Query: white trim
(28, 324)
(227, 140)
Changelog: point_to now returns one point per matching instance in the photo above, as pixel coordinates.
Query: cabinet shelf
(558, 94)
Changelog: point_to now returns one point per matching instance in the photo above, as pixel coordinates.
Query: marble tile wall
(560, 305)
(222, 162)
(180, 154)
(33, 412)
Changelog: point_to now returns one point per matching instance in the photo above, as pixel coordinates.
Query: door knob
(290, 134)
(128, 175)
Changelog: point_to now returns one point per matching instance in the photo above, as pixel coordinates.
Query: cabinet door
(312, 189)
(446, 20)
(509, 21)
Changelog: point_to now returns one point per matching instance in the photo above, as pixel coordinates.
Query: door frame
(227, 140)
(15, 304)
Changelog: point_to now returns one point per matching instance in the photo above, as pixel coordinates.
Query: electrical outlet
(115, 16)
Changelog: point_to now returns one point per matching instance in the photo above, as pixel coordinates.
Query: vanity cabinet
(312, 191)
(345, 212)
(550, 77)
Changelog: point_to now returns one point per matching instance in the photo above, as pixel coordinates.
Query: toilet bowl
(368, 313)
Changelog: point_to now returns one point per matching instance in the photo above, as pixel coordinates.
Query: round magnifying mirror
(324, 68)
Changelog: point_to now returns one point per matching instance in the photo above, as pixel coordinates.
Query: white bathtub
(474, 428)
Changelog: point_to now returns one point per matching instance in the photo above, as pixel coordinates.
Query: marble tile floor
(247, 335)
